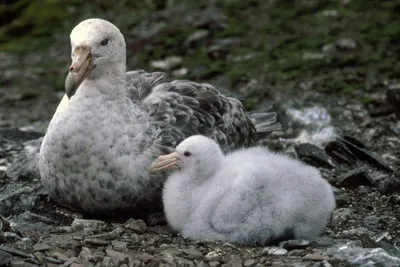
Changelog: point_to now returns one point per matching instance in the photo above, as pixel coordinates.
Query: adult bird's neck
(110, 81)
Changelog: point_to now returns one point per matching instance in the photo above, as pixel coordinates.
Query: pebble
(193, 254)
(250, 263)
(168, 63)
(138, 226)
(213, 256)
(273, 251)
(340, 216)
(214, 263)
(346, 44)
(5, 258)
(41, 247)
(96, 241)
(294, 244)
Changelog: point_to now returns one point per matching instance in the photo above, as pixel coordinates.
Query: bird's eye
(187, 154)
(104, 42)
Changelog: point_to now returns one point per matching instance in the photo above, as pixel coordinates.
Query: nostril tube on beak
(71, 68)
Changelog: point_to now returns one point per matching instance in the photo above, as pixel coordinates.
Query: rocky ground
(329, 68)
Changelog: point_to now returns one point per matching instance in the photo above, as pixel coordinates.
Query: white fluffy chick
(250, 196)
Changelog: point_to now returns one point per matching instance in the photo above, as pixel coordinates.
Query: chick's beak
(166, 163)
(80, 68)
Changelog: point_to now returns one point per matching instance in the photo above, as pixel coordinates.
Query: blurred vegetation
(281, 44)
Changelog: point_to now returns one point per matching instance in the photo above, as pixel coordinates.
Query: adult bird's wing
(183, 108)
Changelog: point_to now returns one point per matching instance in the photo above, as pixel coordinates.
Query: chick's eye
(187, 154)
(104, 42)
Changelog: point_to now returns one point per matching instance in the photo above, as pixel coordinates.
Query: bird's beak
(166, 163)
(80, 68)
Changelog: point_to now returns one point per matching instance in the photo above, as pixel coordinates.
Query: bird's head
(196, 153)
(98, 47)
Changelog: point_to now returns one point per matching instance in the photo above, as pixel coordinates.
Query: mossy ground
(277, 43)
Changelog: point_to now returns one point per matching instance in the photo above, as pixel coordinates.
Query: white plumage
(248, 196)
(98, 146)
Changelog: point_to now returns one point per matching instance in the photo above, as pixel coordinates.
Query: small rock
(168, 63)
(329, 49)
(217, 51)
(320, 264)
(23, 263)
(250, 263)
(96, 241)
(41, 247)
(367, 241)
(179, 73)
(273, 251)
(5, 258)
(346, 44)
(359, 231)
(183, 262)
(214, 263)
(213, 255)
(294, 244)
(341, 197)
(390, 185)
(324, 242)
(138, 226)
(86, 254)
(119, 245)
(196, 37)
(393, 98)
(394, 199)
(193, 254)
(312, 56)
(167, 257)
(98, 255)
(364, 154)
(107, 261)
(316, 257)
(60, 256)
(81, 224)
(201, 264)
(330, 13)
(70, 261)
(121, 257)
(372, 221)
(354, 178)
(145, 257)
(236, 261)
(49, 259)
(313, 155)
(340, 216)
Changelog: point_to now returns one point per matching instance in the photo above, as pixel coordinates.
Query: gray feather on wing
(183, 108)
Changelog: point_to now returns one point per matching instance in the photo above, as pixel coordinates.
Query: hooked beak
(166, 163)
(80, 68)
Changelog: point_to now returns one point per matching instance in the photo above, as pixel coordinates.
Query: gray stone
(346, 44)
(273, 251)
(138, 226)
(41, 247)
(81, 224)
(340, 216)
(372, 221)
(119, 245)
(250, 263)
(294, 244)
(193, 254)
(214, 263)
(214, 256)
(5, 258)
(236, 261)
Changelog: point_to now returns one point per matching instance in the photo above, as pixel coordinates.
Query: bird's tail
(264, 122)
